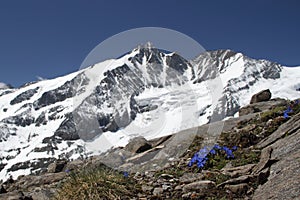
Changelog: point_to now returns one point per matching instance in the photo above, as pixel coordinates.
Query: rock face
(264, 95)
(283, 181)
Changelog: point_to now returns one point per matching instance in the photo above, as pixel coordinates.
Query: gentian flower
(234, 148)
(126, 174)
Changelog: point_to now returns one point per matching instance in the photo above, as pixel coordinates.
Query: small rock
(190, 177)
(157, 191)
(147, 188)
(75, 164)
(241, 179)
(57, 166)
(199, 186)
(166, 176)
(178, 187)
(166, 187)
(238, 171)
(186, 196)
(238, 189)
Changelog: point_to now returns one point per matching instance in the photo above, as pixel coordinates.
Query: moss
(216, 162)
(217, 177)
(196, 144)
(244, 157)
(275, 112)
(97, 183)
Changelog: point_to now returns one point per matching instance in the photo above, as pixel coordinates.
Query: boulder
(57, 166)
(264, 95)
(138, 145)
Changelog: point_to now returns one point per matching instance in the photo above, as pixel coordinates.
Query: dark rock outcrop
(264, 95)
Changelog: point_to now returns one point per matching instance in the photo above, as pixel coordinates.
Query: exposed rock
(75, 164)
(2, 190)
(261, 106)
(238, 171)
(137, 145)
(57, 166)
(190, 177)
(158, 191)
(24, 96)
(238, 189)
(147, 188)
(199, 186)
(241, 179)
(264, 160)
(15, 195)
(263, 176)
(289, 127)
(283, 180)
(45, 179)
(264, 95)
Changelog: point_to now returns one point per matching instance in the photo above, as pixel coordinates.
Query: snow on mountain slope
(145, 92)
(4, 86)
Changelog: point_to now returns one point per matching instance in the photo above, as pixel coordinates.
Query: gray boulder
(138, 145)
(264, 95)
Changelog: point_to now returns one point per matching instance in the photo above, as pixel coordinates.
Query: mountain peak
(5, 86)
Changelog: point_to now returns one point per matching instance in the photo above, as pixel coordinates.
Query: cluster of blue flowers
(201, 157)
(289, 110)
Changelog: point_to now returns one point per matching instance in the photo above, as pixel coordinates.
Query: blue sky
(52, 38)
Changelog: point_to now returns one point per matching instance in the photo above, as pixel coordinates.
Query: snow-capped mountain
(145, 92)
(4, 86)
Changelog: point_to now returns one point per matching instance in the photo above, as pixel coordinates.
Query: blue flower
(213, 152)
(126, 174)
(201, 157)
(217, 147)
(234, 148)
(285, 115)
(289, 109)
(228, 152)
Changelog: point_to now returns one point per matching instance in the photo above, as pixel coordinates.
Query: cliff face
(265, 164)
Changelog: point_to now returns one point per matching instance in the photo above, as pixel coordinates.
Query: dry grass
(97, 183)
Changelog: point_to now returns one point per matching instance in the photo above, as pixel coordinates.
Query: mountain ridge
(138, 94)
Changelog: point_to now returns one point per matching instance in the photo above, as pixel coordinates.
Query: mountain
(5, 86)
(146, 92)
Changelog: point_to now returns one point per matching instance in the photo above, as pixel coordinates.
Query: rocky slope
(264, 166)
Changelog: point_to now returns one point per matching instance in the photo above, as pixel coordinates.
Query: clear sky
(52, 38)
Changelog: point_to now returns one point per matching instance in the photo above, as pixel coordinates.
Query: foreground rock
(283, 181)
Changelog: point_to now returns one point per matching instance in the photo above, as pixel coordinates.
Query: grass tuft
(98, 183)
